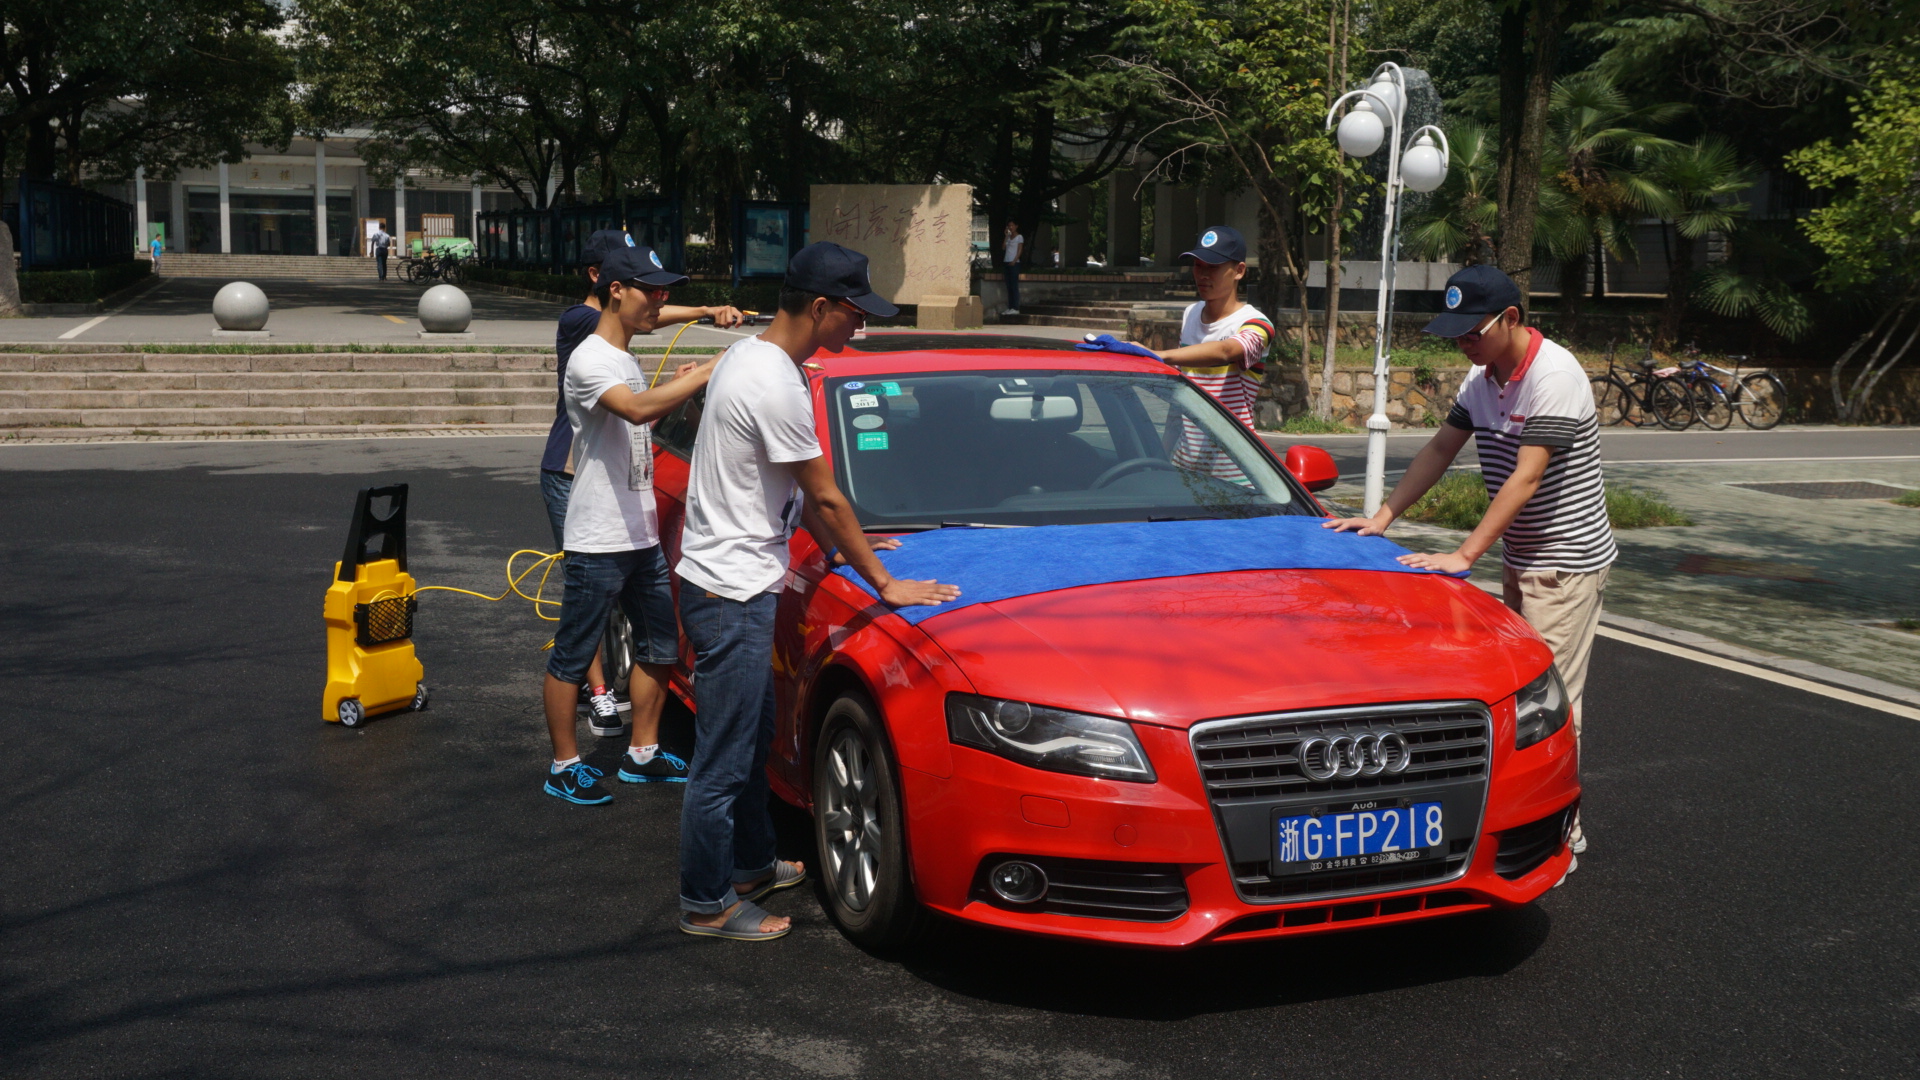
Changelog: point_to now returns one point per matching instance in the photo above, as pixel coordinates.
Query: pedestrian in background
(612, 528)
(1529, 408)
(1015, 243)
(381, 242)
(757, 472)
(156, 246)
(577, 323)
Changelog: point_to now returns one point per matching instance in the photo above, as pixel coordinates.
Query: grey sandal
(785, 876)
(742, 925)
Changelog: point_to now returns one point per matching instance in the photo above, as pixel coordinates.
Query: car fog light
(1018, 882)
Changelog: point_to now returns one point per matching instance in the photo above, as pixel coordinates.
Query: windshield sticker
(873, 440)
(869, 421)
(890, 389)
(864, 401)
(853, 386)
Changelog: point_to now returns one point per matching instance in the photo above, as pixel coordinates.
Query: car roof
(881, 354)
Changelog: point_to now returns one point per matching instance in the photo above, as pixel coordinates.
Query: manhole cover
(1826, 489)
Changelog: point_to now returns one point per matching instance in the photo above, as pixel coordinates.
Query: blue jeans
(726, 830)
(555, 489)
(640, 583)
(1013, 286)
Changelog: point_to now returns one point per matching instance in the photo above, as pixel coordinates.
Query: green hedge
(80, 286)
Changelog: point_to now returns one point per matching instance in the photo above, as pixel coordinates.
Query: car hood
(1179, 650)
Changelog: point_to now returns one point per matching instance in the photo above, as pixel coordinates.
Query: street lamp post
(1378, 116)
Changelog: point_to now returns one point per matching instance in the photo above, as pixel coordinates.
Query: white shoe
(1571, 867)
(1011, 311)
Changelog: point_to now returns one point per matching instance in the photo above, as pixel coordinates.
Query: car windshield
(922, 451)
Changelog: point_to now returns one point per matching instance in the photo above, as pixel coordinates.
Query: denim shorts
(639, 582)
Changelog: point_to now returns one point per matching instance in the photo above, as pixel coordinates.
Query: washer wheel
(352, 714)
(420, 698)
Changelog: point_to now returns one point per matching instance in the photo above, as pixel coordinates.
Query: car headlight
(1048, 738)
(1540, 709)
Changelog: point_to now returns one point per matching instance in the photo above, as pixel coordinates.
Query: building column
(177, 203)
(1123, 219)
(399, 229)
(362, 208)
(140, 209)
(320, 194)
(474, 234)
(226, 211)
(1213, 207)
(1077, 204)
(1183, 222)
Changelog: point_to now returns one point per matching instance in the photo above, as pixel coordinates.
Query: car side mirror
(1313, 467)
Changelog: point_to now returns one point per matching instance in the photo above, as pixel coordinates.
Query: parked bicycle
(1632, 397)
(1758, 397)
(435, 266)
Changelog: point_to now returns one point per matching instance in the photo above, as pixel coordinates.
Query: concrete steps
(1108, 317)
(43, 394)
(248, 267)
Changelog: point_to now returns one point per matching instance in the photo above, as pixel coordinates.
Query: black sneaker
(575, 783)
(665, 768)
(603, 715)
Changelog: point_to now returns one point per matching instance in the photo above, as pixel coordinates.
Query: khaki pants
(1563, 607)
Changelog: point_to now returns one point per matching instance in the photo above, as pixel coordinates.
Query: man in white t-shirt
(1011, 264)
(612, 529)
(1529, 408)
(757, 472)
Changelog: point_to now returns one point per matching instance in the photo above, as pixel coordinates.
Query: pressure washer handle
(753, 318)
(390, 529)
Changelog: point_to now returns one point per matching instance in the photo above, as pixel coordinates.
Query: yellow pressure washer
(371, 668)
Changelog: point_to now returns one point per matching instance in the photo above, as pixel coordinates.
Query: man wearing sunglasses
(1529, 407)
(612, 529)
(757, 472)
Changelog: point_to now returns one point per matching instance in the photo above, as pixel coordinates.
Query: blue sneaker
(575, 784)
(665, 768)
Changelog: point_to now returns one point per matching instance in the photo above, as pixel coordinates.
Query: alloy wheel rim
(852, 822)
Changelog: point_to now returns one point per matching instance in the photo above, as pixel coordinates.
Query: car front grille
(1134, 891)
(1251, 769)
(1523, 849)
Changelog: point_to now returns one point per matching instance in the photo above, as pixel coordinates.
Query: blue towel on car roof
(999, 564)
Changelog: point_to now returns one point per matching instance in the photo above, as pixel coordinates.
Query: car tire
(859, 830)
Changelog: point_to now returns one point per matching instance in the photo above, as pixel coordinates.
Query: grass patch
(1907, 624)
(1460, 500)
(1635, 508)
(1309, 424)
(1911, 498)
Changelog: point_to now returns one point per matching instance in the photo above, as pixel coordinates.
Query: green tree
(1870, 232)
(1695, 189)
(1456, 222)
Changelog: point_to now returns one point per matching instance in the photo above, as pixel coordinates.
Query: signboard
(915, 236)
(436, 226)
(766, 235)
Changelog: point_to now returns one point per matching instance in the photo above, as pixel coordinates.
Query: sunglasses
(858, 312)
(1473, 336)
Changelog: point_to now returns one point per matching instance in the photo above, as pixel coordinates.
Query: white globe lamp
(1423, 168)
(1361, 132)
(1386, 90)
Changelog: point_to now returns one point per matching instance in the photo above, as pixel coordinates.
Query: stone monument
(445, 312)
(241, 309)
(917, 239)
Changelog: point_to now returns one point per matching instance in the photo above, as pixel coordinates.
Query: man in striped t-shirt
(1223, 345)
(1529, 408)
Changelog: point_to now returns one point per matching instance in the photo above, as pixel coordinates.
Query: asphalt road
(201, 879)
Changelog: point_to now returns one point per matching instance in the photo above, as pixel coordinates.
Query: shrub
(1309, 424)
(80, 286)
(1460, 500)
(1911, 498)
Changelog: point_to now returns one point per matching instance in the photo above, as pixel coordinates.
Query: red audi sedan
(1169, 709)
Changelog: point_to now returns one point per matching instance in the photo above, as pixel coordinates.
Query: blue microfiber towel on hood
(999, 564)
(1109, 343)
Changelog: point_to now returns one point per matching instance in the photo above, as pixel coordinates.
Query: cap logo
(655, 256)
(1453, 297)
(1210, 239)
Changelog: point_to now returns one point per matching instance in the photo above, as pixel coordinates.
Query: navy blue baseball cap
(637, 263)
(1217, 245)
(1473, 294)
(594, 251)
(828, 269)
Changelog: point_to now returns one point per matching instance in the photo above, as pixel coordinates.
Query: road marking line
(395, 319)
(1762, 673)
(83, 327)
(1738, 460)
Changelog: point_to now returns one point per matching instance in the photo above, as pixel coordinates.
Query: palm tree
(1697, 183)
(1456, 222)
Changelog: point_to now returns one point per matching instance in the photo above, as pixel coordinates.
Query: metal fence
(551, 240)
(57, 227)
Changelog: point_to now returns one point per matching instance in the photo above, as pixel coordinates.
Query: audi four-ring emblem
(1344, 757)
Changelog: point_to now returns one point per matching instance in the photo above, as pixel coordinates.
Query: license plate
(1359, 838)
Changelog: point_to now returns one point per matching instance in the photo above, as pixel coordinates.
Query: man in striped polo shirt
(1223, 345)
(1529, 408)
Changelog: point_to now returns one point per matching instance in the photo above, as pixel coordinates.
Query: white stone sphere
(240, 305)
(444, 309)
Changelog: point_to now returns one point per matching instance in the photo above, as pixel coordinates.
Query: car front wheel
(858, 824)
